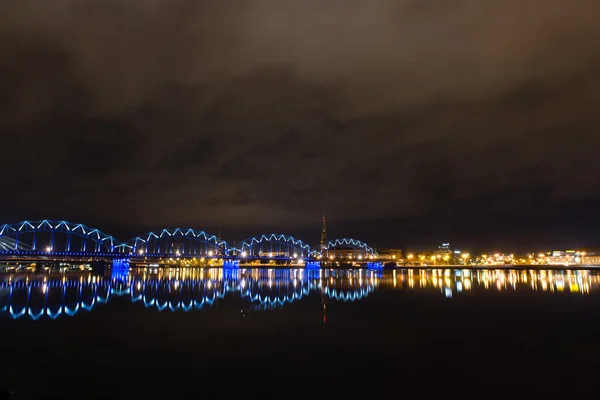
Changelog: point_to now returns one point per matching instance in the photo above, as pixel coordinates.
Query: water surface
(167, 333)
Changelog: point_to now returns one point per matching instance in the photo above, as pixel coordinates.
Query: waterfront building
(562, 257)
(391, 255)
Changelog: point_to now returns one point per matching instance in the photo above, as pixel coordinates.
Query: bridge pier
(313, 265)
(120, 269)
(121, 263)
(375, 265)
(231, 264)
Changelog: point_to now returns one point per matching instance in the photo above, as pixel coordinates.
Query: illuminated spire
(220, 249)
(323, 231)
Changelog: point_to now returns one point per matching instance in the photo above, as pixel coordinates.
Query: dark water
(301, 334)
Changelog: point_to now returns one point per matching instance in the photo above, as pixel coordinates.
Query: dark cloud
(189, 155)
(250, 116)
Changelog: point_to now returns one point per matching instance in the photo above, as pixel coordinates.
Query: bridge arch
(55, 237)
(178, 242)
(347, 248)
(272, 245)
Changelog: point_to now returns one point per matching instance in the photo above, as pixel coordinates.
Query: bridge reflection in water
(36, 296)
(54, 295)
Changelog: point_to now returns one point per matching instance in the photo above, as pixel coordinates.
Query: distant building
(389, 255)
(560, 257)
(497, 259)
(444, 252)
(589, 256)
(443, 255)
(340, 252)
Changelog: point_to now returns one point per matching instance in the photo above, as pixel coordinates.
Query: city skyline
(10, 233)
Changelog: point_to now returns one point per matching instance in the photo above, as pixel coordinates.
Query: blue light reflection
(55, 295)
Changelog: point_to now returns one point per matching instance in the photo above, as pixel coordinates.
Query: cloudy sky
(408, 121)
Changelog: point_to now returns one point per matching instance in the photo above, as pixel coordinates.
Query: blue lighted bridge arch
(272, 245)
(63, 238)
(347, 248)
(178, 242)
(55, 237)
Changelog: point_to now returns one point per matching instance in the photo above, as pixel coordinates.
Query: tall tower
(219, 245)
(323, 231)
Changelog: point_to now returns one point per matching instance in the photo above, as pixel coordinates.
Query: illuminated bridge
(273, 245)
(63, 240)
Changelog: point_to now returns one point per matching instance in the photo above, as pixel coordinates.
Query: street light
(210, 253)
(465, 256)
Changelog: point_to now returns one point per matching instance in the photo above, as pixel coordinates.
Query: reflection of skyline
(452, 281)
(51, 296)
(54, 295)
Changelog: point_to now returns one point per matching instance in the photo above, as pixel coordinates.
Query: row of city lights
(467, 256)
(211, 253)
(409, 257)
(295, 255)
(350, 256)
(464, 256)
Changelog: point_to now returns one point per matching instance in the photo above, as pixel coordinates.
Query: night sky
(409, 121)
